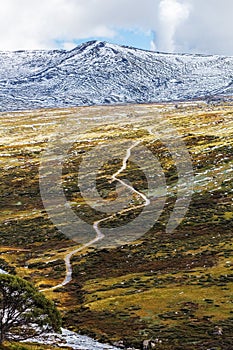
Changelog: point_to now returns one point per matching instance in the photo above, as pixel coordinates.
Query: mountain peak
(90, 45)
(97, 72)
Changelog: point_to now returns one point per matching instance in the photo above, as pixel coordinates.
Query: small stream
(72, 339)
(69, 339)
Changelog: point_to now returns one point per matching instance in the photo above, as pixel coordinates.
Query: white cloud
(209, 28)
(170, 15)
(27, 24)
(180, 25)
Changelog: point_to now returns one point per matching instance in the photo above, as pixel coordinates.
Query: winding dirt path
(99, 234)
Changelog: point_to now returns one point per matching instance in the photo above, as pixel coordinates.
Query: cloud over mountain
(179, 25)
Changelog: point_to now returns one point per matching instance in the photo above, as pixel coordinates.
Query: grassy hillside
(27, 346)
(172, 287)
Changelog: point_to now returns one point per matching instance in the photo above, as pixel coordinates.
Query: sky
(188, 26)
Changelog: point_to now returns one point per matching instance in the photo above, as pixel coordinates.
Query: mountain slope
(101, 73)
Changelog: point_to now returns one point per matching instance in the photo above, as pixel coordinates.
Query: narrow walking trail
(96, 224)
(72, 339)
(68, 339)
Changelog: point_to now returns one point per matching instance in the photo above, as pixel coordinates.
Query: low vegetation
(172, 288)
(24, 312)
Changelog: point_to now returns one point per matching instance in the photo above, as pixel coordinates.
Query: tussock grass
(176, 287)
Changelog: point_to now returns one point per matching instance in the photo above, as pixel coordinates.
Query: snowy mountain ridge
(102, 73)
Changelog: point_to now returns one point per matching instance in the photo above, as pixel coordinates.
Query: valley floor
(172, 287)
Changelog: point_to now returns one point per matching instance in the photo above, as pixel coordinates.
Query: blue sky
(189, 26)
(135, 38)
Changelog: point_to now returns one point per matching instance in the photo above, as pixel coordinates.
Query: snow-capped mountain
(102, 73)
